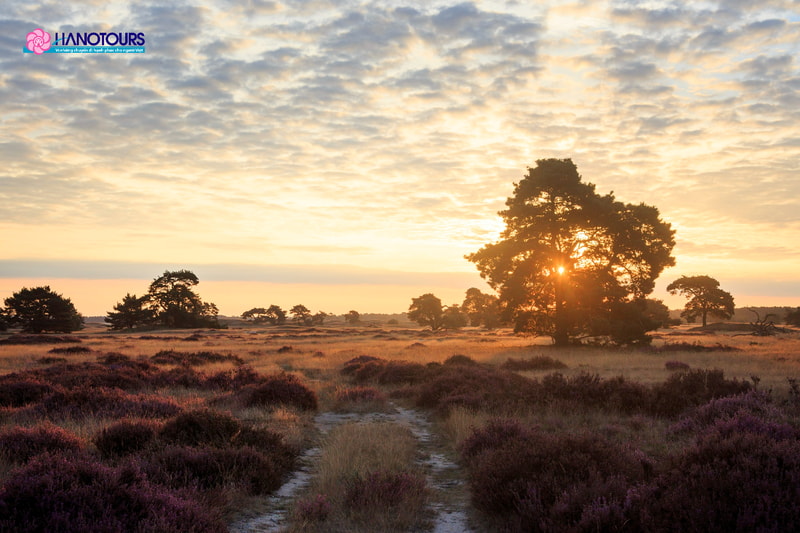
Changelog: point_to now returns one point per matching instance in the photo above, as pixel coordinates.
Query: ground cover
(353, 429)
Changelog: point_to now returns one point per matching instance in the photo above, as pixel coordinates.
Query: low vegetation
(133, 433)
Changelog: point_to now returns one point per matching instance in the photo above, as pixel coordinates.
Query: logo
(39, 42)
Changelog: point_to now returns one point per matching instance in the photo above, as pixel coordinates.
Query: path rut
(444, 477)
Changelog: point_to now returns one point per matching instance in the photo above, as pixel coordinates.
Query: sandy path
(444, 477)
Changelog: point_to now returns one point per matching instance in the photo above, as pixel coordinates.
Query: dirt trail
(444, 477)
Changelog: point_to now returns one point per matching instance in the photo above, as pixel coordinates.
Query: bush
(753, 403)
(459, 359)
(474, 386)
(69, 495)
(201, 428)
(312, 509)
(125, 437)
(19, 444)
(171, 357)
(268, 443)
(695, 387)
(70, 350)
(734, 479)
(205, 469)
(539, 362)
(533, 481)
(281, 389)
(232, 380)
(359, 395)
(400, 373)
(676, 366)
(18, 391)
(103, 403)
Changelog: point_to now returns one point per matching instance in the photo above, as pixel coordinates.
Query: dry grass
(354, 451)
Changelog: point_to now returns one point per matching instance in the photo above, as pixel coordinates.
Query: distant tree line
(275, 316)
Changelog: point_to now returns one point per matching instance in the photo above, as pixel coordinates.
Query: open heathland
(397, 429)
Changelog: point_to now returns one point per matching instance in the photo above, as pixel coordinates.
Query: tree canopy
(170, 302)
(705, 298)
(40, 309)
(132, 312)
(571, 262)
(481, 308)
(176, 305)
(426, 310)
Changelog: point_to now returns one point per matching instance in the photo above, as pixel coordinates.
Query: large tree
(132, 312)
(705, 298)
(40, 309)
(481, 308)
(426, 310)
(570, 260)
(176, 305)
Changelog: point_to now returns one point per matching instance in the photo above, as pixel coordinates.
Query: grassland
(392, 428)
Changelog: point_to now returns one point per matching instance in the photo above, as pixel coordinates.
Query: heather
(69, 494)
(392, 434)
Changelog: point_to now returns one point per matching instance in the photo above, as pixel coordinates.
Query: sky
(348, 154)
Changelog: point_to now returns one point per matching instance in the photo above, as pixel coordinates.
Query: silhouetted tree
(481, 308)
(130, 313)
(40, 309)
(705, 298)
(275, 315)
(3, 322)
(176, 305)
(793, 317)
(453, 317)
(318, 318)
(426, 310)
(301, 315)
(352, 317)
(656, 311)
(569, 257)
(256, 315)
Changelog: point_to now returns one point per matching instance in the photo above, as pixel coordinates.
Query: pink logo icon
(38, 41)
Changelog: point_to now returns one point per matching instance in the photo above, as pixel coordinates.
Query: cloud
(389, 131)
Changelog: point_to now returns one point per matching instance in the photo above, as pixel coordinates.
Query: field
(397, 429)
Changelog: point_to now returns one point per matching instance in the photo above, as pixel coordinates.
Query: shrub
(69, 495)
(384, 490)
(695, 387)
(281, 389)
(400, 372)
(753, 403)
(232, 380)
(201, 427)
(734, 479)
(539, 362)
(19, 391)
(353, 365)
(474, 386)
(171, 357)
(268, 443)
(125, 437)
(104, 403)
(359, 395)
(205, 469)
(458, 359)
(676, 366)
(312, 509)
(538, 481)
(693, 347)
(70, 350)
(51, 360)
(19, 444)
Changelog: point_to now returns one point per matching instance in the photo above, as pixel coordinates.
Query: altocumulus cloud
(387, 133)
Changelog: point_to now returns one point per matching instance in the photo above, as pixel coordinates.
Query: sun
(561, 270)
